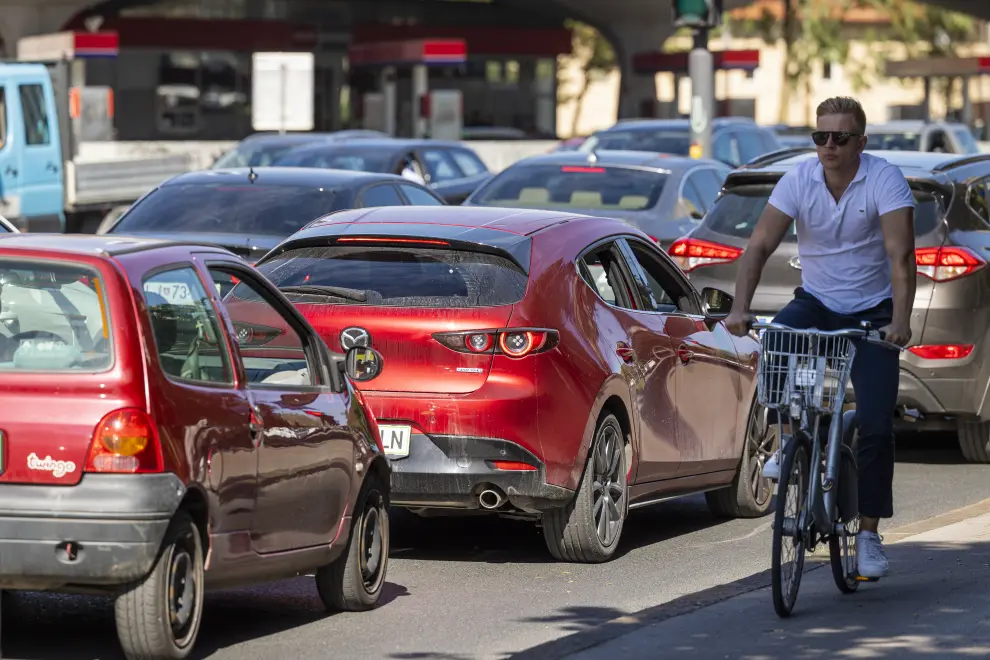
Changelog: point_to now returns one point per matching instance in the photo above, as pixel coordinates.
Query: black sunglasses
(840, 138)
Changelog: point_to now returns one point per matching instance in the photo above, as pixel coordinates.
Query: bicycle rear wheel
(842, 551)
(787, 556)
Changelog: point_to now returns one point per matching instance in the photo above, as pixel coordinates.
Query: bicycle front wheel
(787, 562)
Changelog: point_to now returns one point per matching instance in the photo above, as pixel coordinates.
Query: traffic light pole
(701, 68)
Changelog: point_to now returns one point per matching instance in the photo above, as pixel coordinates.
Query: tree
(596, 59)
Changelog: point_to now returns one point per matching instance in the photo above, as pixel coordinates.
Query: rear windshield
(393, 277)
(357, 160)
(246, 208)
(894, 141)
(53, 317)
(577, 187)
(736, 212)
(667, 141)
(257, 155)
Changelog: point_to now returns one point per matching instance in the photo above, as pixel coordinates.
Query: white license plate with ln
(395, 439)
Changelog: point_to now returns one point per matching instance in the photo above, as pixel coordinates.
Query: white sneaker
(871, 559)
(771, 469)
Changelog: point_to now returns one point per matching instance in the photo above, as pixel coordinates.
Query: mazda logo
(351, 337)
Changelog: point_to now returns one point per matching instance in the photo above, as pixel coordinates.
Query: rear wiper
(336, 291)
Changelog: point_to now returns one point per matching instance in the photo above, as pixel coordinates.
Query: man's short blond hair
(844, 105)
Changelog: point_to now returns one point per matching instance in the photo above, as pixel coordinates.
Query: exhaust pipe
(491, 498)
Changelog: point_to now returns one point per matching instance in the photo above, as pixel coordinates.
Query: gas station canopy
(407, 53)
(68, 46)
(724, 60)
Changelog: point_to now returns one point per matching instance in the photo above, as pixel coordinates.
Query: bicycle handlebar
(867, 333)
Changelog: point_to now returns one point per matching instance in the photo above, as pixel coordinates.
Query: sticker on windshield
(47, 464)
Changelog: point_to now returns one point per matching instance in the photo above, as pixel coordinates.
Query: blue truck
(44, 185)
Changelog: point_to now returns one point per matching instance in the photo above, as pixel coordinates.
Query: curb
(563, 647)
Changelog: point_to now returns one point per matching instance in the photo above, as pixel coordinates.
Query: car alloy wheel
(607, 488)
(761, 439)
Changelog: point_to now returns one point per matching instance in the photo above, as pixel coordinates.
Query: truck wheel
(750, 494)
(974, 440)
(588, 528)
(354, 582)
(159, 618)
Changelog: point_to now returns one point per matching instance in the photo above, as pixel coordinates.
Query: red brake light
(125, 441)
(691, 253)
(512, 465)
(512, 342)
(402, 241)
(946, 352)
(586, 170)
(945, 263)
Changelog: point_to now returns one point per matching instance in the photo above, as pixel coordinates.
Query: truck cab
(31, 178)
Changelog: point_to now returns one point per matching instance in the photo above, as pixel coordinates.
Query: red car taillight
(512, 342)
(691, 253)
(943, 352)
(125, 441)
(947, 262)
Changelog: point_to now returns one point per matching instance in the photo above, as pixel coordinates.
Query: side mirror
(715, 303)
(363, 364)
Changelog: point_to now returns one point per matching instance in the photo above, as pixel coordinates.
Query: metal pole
(702, 72)
(284, 84)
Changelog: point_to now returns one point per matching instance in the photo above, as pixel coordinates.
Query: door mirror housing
(715, 303)
(362, 364)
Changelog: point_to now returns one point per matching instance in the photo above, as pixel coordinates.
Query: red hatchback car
(149, 454)
(539, 363)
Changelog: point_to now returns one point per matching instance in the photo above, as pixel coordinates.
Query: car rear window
(248, 155)
(894, 141)
(53, 317)
(226, 208)
(667, 141)
(577, 187)
(736, 212)
(393, 277)
(357, 160)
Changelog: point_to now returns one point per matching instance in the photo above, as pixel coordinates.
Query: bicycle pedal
(860, 578)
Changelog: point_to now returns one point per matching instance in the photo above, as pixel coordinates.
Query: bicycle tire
(794, 462)
(845, 580)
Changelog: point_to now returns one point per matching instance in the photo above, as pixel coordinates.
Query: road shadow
(39, 626)
(929, 449)
(934, 604)
(495, 540)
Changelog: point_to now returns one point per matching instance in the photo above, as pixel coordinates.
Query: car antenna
(252, 175)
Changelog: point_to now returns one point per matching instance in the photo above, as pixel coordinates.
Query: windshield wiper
(336, 291)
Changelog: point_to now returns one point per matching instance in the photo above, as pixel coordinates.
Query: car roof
(915, 160)
(90, 245)
(645, 159)
(373, 144)
(279, 176)
(522, 222)
(677, 123)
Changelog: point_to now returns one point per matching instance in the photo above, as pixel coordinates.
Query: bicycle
(808, 383)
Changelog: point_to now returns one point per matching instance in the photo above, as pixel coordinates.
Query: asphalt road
(466, 589)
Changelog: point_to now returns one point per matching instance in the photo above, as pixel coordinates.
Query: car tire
(751, 494)
(354, 582)
(974, 440)
(571, 532)
(144, 613)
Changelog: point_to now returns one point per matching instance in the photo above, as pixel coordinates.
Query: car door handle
(51, 167)
(11, 171)
(684, 353)
(625, 352)
(256, 427)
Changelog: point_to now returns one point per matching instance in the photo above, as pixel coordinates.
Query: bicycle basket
(815, 367)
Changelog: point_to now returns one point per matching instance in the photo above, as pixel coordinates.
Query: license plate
(395, 440)
(176, 293)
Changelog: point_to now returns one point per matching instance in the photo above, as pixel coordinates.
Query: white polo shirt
(843, 260)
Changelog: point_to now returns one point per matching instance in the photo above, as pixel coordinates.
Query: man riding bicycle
(854, 216)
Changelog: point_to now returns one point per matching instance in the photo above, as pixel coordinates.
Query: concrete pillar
(629, 39)
(25, 18)
(391, 106)
(420, 88)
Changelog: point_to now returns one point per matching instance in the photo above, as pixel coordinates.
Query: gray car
(665, 196)
(945, 373)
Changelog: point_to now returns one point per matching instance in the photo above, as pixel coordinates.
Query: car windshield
(571, 186)
(53, 317)
(229, 208)
(966, 139)
(665, 141)
(736, 212)
(894, 141)
(355, 159)
(393, 277)
(254, 155)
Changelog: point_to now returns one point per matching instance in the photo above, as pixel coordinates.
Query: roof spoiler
(776, 156)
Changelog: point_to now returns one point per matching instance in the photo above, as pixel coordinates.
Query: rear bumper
(446, 471)
(103, 532)
(933, 395)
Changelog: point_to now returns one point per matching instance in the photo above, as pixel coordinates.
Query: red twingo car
(539, 363)
(148, 454)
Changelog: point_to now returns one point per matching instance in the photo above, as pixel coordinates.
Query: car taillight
(515, 466)
(126, 441)
(249, 334)
(942, 352)
(512, 342)
(947, 262)
(691, 253)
